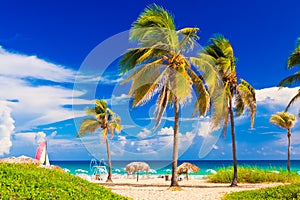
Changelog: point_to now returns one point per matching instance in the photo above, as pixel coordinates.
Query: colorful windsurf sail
(41, 154)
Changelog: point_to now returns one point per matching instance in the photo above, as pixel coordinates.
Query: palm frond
(247, 94)
(141, 73)
(161, 106)
(203, 99)
(154, 22)
(205, 64)
(143, 88)
(88, 125)
(180, 84)
(296, 97)
(189, 38)
(220, 106)
(154, 16)
(283, 120)
(136, 56)
(223, 45)
(294, 58)
(295, 78)
(91, 111)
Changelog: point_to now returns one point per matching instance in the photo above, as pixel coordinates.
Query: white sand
(158, 188)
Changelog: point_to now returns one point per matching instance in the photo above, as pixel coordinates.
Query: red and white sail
(41, 154)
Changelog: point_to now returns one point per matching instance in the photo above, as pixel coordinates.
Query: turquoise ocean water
(164, 167)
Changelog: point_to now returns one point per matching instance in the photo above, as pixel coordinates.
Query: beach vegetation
(27, 181)
(104, 119)
(159, 66)
(291, 191)
(254, 175)
(286, 121)
(238, 90)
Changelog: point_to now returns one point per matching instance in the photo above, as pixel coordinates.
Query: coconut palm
(293, 60)
(160, 67)
(221, 51)
(105, 119)
(285, 120)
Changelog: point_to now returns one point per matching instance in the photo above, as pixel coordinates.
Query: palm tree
(286, 121)
(221, 51)
(293, 60)
(105, 119)
(160, 67)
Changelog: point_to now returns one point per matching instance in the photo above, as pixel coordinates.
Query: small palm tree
(104, 119)
(221, 51)
(293, 60)
(160, 67)
(286, 121)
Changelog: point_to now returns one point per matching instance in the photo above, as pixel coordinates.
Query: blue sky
(55, 57)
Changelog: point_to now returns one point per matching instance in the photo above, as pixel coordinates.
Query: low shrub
(253, 175)
(26, 181)
(287, 192)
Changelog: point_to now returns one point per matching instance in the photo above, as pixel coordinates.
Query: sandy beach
(158, 188)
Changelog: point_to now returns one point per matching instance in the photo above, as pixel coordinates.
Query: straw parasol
(136, 167)
(186, 167)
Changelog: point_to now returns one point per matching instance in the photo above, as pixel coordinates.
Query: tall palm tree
(160, 67)
(286, 121)
(105, 119)
(293, 60)
(221, 51)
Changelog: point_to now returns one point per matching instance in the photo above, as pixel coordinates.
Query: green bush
(26, 181)
(287, 192)
(253, 175)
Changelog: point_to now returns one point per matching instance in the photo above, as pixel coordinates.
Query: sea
(165, 167)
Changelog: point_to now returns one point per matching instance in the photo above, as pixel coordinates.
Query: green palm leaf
(295, 78)
(283, 120)
(88, 125)
(246, 97)
(296, 97)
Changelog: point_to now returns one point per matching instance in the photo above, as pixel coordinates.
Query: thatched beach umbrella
(136, 167)
(186, 167)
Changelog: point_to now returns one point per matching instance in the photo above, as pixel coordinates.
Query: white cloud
(117, 100)
(203, 128)
(23, 66)
(144, 133)
(53, 134)
(33, 138)
(275, 96)
(166, 131)
(122, 140)
(22, 77)
(6, 129)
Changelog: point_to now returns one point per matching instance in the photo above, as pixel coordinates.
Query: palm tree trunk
(234, 180)
(289, 151)
(174, 180)
(109, 162)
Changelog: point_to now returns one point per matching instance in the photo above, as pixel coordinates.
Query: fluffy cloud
(20, 66)
(6, 129)
(24, 80)
(166, 131)
(122, 140)
(275, 96)
(144, 133)
(33, 138)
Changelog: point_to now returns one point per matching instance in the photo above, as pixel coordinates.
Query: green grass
(253, 175)
(21, 181)
(287, 192)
